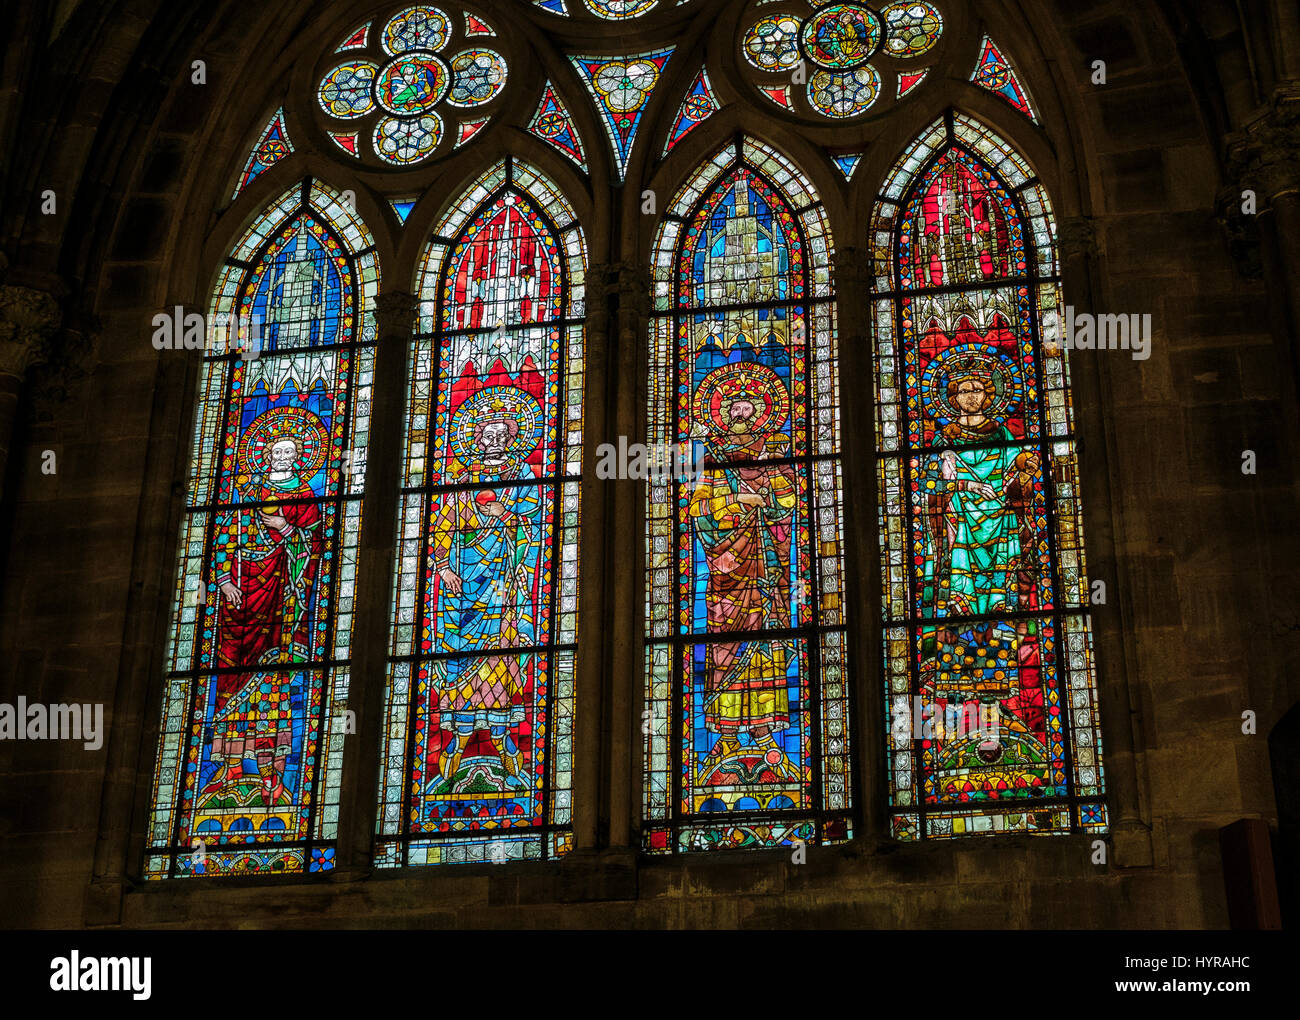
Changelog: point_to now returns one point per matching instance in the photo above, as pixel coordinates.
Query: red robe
(275, 571)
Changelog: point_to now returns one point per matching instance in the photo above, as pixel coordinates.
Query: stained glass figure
(698, 104)
(479, 710)
(552, 123)
(993, 71)
(621, 88)
(747, 741)
(407, 79)
(272, 146)
(988, 654)
(250, 753)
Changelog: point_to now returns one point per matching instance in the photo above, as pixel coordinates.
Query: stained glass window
(250, 753)
(987, 643)
(621, 88)
(272, 146)
(993, 71)
(698, 104)
(746, 733)
(552, 124)
(479, 716)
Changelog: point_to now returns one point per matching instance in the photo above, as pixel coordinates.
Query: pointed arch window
(746, 733)
(249, 757)
(478, 729)
(987, 644)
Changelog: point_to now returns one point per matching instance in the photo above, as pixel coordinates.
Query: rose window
(409, 84)
(837, 44)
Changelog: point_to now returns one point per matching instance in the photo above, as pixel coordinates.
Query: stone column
(625, 637)
(1080, 252)
(1264, 157)
(862, 553)
(395, 315)
(28, 319)
(590, 779)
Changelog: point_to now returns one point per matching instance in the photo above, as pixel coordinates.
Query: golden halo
(747, 380)
(974, 361)
(285, 423)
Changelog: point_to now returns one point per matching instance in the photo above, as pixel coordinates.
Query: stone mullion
(589, 771)
(376, 561)
(862, 553)
(624, 637)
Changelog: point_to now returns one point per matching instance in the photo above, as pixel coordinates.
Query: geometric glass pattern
(478, 725)
(552, 123)
(256, 681)
(621, 88)
(698, 104)
(847, 164)
(404, 82)
(990, 686)
(746, 685)
(272, 146)
(994, 72)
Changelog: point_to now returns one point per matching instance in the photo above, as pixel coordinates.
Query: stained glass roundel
(477, 76)
(346, 91)
(842, 94)
(403, 140)
(411, 84)
(841, 36)
(911, 28)
(416, 28)
(770, 44)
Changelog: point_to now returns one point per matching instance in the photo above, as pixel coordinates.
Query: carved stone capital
(626, 282)
(28, 320)
(852, 268)
(395, 313)
(1077, 235)
(1264, 156)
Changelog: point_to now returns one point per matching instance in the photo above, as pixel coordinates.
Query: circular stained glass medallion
(403, 140)
(912, 28)
(770, 44)
(416, 28)
(842, 94)
(411, 84)
(841, 36)
(346, 91)
(477, 76)
(616, 10)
